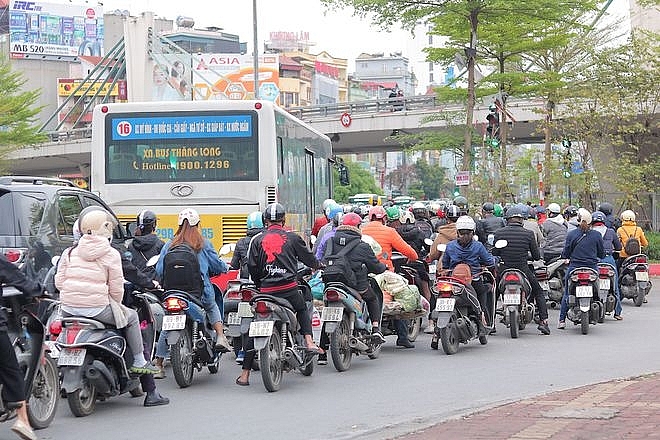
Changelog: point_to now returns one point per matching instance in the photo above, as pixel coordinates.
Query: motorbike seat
(277, 300)
(183, 295)
(525, 281)
(71, 320)
(347, 288)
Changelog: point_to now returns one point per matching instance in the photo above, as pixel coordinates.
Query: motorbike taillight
(640, 259)
(72, 333)
(512, 277)
(444, 289)
(331, 295)
(605, 272)
(262, 308)
(246, 295)
(233, 294)
(55, 328)
(175, 304)
(541, 273)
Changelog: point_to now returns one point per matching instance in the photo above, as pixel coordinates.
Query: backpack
(632, 245)
(181, 271)
(337, 267)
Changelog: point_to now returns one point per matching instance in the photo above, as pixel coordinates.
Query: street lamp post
(255, 53)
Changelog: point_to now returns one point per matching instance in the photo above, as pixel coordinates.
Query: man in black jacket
(520, 242)
(488, 224)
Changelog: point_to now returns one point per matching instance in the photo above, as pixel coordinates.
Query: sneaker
(405, 343)
(240, 357)
(543, 328)
(23, 430)
(322, 359)
(147, 368)
(222, 344)
(160, 374)
(434, 343)
(155, 399)
(561, 325)
(430, 329)
(378, 337)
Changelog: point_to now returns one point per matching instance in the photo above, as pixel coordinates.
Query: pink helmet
(377, 212)
(351, 219)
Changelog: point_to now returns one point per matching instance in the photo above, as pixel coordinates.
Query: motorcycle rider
(331, 211)
(629, 229)
(473, 253)
(554, 231)
(422, 221)
(610, 219)
(462, 204)
(145, 243)
(390, 240)
(412, 235)
(488, 224)
(529, 223)
(393, 217)
(520, 242)
(611, 243)
(541, 215)
(320, 248)
(363, 261)
(570, 215)
(254, 225)
(584, 248)
(11, 375)
(322, 220)
(273, 257)
(446, 233)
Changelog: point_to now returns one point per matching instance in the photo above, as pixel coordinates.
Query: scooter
(237, 309)
(556, 273)
(515, 289)
(634, 280)
(584, 303)
(606, 289)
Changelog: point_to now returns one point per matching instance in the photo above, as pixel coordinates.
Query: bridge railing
(367, 106)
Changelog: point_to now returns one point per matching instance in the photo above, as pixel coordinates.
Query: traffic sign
(462, 178)
(577, 168)
(346, 120)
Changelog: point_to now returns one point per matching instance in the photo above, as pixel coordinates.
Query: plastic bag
(316, 283)
(408, 297)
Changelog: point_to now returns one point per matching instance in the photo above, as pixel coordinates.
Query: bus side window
(280, 153)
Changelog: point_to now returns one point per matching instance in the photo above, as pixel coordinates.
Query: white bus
(223, 158)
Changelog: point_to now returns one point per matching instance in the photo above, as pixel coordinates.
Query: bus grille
(233, 228)
(271, 195)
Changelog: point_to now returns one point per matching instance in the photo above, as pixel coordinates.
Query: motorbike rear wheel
(584, 323)
(414, 328)
(340, 351)
(514, 323)
(449, 337)
(82, 402)
(43, 398)
(270, 362)
(181, 355)
(639, 297)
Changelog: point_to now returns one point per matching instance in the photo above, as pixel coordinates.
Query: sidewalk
(619, 409)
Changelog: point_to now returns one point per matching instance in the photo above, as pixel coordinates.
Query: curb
(654, 269)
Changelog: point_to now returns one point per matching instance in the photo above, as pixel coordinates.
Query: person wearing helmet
(393, 213)
(541, 214)
(520, 243)
(487, 225)
(390, 240)
(322, 220)
(89, 278)
(412, 235)
(273, 258)
(255, 225)
(530, 224)
(326, 236)
(446, 233)
(462, 204)
(145, 243)
(422, 221)
(627, 230)
(570, 215)
(498, 210)
(210, 264)
(584, 248)
(466, 250)
(554, 233)
(611, 243)
(331, 212)
(611, 221)
(362, 261)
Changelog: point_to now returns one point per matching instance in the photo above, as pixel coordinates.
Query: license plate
(261, 328)
(642, 276)
(333, 314)
(432, 268)
(245, 310)
(445, 304)
(604, 284)
(512, 298)
(233, 319)
(584, 292)
(72, 356)
(174, 322)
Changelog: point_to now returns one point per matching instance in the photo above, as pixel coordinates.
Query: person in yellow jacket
(629, 229)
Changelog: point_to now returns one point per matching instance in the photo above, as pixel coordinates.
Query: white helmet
(406, 217)
(97, 222)
(628, 215)
(465, 222)
(189, 214)
(418, 205)
(326, 203)
(554, 208)
(584, 216)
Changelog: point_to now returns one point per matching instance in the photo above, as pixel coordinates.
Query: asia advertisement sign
(55, 31)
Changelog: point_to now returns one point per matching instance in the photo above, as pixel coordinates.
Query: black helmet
(514, 211)
(462, 204)
(488, 207)
(146, 220)
(453, 212)
(606, 208)
(274, 213)
(570, 211)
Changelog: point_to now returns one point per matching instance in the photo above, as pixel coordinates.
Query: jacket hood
(254, 231)
(556, 219)
(348, 233)
(145, 242)
(93, 247)
(348, 228)
(628, 223)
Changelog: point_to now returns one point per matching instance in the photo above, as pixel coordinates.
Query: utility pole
(255, 54)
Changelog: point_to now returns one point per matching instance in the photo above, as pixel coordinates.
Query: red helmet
(351, 219)
(377, 212)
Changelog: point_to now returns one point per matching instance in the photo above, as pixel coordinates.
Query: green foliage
(432, 180)
(361, 181)
(17, 116)
(653, 249)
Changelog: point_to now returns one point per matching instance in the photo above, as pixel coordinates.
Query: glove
(157, 285)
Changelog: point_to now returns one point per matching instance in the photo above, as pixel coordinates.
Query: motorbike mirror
(312, 239)
(428, 241)
(227, 249)
(499, 244)
(475, 238)
(55, 260)
(442, 247)
(153, 260)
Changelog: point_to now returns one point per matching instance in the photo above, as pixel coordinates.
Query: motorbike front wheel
(181, 355)
(584, 323)
(42, 401)
(449, 337)
(414, 328)
(82, 402)
(341, 353)
(514, 323)
(270, 362)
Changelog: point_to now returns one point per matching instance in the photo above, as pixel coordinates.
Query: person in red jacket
(319, 222)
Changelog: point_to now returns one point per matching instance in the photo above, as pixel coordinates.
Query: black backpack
(337, 267)
(632, 245)
(181, 270)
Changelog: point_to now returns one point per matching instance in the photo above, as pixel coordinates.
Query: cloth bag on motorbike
(316, 283)
(118, 314)
(408, 297)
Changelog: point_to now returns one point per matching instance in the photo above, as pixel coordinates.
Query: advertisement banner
(231, 76)
(55, 31)
(172, 78)
(66, 87)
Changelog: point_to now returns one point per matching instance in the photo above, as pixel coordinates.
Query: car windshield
(21, 213)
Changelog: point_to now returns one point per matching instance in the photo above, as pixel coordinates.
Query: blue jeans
(564, 299)
(213, 304)
(609, 259)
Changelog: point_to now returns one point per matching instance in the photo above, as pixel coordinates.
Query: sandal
(618, 317)
(314, 349)
(240, 383)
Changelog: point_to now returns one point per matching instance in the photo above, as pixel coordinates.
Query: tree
(17, 116)
(361, 181)
(432, 180)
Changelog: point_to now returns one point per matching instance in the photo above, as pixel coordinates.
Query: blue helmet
(255, 220)
(333, 211)
(525, 210)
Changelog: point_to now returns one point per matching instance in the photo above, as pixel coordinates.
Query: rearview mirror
(499, 244)
(226, 249)
(428, 241)
(151, 262)
(442, 247)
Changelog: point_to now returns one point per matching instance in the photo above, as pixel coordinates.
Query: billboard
(171, 78)
(43, 30)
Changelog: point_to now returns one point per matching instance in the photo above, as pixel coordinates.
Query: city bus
(366, 199)
(223, 158)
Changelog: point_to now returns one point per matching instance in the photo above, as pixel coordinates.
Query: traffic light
(493, 138)
(343, 175)
(457, 192)
(567, 164)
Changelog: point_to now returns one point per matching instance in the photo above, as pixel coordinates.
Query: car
(36, 220)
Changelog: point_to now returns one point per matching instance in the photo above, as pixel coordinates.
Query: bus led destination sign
(182, 127)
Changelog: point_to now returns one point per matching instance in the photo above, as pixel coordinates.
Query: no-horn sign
(346, 120)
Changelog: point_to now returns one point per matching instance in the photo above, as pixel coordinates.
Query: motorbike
(93, 360)
(606, 289)
(277, 338)
(237, 309)
(556, 274)
(415, 319)
(514, 288)
(584, 303)
(27, 331)
(348, 325)
(634, 280)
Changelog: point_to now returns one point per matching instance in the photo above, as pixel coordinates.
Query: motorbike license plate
(642, 276)
(604, 284)
(261, 328)
(445, 304)
(332, 314)
(584, 292)
(511, 298)
(245, 310)
(233, 319)
(72, 356)
(174, 322)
